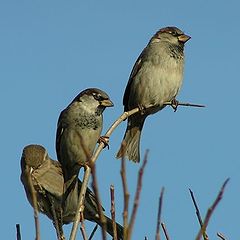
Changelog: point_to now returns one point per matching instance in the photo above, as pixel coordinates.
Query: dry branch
(125, 196)
(211, 210)
(204, 234)
(93, 232)
(165, 231)
(99, 206)
(220, 235)
(18, 232)
(157, 237)
(113, 212)
(137, 196)
(123, 117)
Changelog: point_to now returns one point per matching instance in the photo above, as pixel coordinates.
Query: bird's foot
(142, 109)
(174, 104)
(104, 140)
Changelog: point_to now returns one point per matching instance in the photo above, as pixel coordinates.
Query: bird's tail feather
(131, 141)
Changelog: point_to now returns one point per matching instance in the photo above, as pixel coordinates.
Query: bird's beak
(183, 38)
(106, 103)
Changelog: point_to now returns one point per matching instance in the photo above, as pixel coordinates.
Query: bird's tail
(131, 141)
(109, 227)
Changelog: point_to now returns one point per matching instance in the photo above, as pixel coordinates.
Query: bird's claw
(174, 104)
(141, 109)
(104, 140)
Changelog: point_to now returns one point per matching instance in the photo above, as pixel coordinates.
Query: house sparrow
(48, 182)
(155, 79)
(78, 130)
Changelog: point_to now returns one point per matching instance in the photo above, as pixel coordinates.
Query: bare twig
(18, 232)
(220, 235)
(93, 232)
(87, 173)
(82, 228)
(157, 237)
(113, 212)
(34, 201)
(205, 236)
(165, 231)
(96, 192)
(123, 117)
(137, 196)
(125, 194)
(80, 207)
(174, 104)
(211, 210)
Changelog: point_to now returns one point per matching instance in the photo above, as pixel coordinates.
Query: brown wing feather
(60, 130)
(134, 72)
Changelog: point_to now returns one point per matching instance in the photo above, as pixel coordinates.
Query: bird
(78, 131)
(48, 182)
(155, 79)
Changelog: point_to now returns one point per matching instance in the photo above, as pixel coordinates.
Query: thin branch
(157, 237)
(80, 207)
(125, 195)
(82, 228)
(174, 104)
(113, 212)
(93, 232)
(137, 196)
(83, 231)
(34, 202)
(18, 232)
(220, 235)
(205, 236)
(211, 210)
(165, 231)
(100, 147)
(100, 210)
(87, 173)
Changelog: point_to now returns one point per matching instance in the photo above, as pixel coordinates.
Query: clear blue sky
(51, 50)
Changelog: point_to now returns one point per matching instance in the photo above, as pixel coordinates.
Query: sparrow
(48, 183)
(156, 78)
(78, 130)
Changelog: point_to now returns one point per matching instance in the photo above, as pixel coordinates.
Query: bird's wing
(60, 130)
(50, 178)
(134, 72)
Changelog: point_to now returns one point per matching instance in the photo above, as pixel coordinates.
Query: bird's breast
(158, 81)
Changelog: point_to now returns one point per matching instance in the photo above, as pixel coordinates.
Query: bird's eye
(173, 33)
(98, 97)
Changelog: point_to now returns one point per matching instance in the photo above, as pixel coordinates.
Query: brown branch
(220, 235)
(18, 232)
(34, 202)
(87, 173)
(157, 237)
(174, 104)
(100, 147)
(93, 232)
(82, 227)
(211, 210)
(165, 231)
(99, 206)
(204, 234)
(125, 194)
(137, 196)
(113, 212)
(80, 207)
